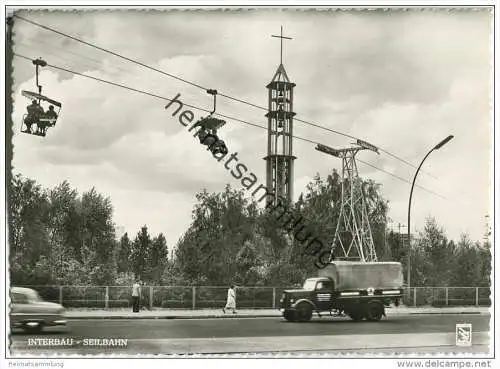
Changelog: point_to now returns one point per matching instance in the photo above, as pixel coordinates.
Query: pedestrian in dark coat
(136, 296)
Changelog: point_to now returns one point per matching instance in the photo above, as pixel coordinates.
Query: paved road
(174, 336)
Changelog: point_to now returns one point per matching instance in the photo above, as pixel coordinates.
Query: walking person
(231, 300)
(136, 296)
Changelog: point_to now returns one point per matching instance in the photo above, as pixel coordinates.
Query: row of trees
(60, 237)
(57, 236)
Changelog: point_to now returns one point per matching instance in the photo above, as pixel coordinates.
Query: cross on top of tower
(281, 37)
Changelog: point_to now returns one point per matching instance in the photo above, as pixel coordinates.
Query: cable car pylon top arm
(39, 63)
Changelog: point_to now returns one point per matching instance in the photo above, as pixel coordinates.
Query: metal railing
(206, 297)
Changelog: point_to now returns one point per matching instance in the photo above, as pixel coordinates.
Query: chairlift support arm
(39, 63)
(214, 93)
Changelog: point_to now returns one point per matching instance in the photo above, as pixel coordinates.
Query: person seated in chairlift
(47, 119)
(34, 113)
(208, 138)
(41, 127)
(202, 135)
(223, 148)
(219, 148)
(51, 115)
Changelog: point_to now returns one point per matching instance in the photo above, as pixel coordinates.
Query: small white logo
(463, 334)
(370, 291)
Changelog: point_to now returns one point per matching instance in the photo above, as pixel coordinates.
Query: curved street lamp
(437, 147)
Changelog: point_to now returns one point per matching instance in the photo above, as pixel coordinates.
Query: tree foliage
(57, 236)
(438, 261)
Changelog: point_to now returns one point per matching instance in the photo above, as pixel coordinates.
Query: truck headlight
(292, 301)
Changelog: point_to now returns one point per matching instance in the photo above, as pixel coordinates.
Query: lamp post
(437, 147)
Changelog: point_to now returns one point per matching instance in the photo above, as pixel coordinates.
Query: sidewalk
(247, 313)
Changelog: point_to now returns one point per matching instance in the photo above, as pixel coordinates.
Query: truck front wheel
(303, 312)
(289, 315)
(374, 311)
(356, 315)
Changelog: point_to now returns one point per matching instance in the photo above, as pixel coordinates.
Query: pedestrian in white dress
(231, 300)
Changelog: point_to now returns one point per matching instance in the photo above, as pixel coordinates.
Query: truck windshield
(309, 284)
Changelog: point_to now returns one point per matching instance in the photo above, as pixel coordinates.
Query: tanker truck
(361, 290)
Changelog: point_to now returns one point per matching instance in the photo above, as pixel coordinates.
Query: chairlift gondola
(208, 130)
(37, 115)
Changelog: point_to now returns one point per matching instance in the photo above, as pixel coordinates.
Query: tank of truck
(353, 275)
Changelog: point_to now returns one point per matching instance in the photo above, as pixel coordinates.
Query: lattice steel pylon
(353, 235)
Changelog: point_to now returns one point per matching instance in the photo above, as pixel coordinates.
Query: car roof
(21, 290)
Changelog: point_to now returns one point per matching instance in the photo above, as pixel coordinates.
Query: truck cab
(316, 294)
(322, 292)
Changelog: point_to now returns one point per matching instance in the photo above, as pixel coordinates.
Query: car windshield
(309, 284)
(33, 295)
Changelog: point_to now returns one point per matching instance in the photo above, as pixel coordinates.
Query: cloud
(400, 80)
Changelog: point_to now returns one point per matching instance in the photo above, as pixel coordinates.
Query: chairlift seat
(37, 118)
(36, 114)
(34, 96)
(210, 123)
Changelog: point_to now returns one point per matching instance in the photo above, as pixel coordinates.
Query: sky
(401, 80)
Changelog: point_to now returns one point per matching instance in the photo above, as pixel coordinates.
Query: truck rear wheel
(303, 312)
(374, 311)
